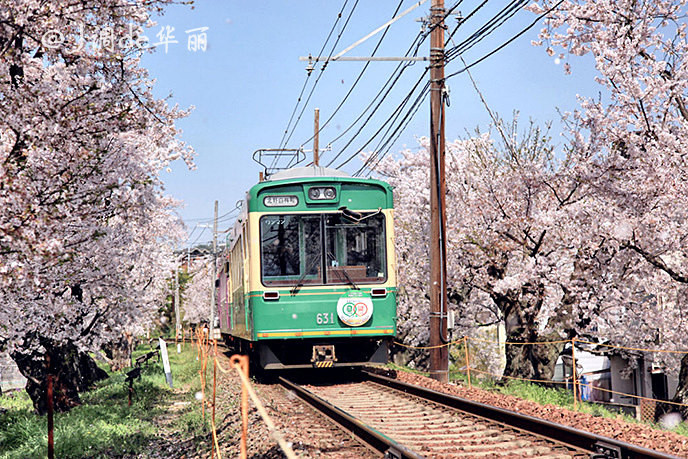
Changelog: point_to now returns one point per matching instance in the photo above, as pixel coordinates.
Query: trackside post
(241, 361)
(165, 361)
(51, 442)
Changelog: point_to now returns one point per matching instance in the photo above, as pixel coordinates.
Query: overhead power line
(506, 43)
(358, 78)
(392, 80)
(506, 13)
(386, 89)
(308, 75)
(386, 145)
(390, 130)
(390, 119)
(490, 26)
(377, 100)
(199, 235)
(320, 74)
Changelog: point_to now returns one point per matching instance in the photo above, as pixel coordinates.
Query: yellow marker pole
(246, 387)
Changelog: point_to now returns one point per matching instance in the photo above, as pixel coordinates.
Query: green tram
(308, 279)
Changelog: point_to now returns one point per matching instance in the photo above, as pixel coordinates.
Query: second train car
(308, 276)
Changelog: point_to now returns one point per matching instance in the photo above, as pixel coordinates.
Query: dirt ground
(308, 434)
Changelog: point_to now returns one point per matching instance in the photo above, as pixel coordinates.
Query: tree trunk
(681, 392)
(73, 372)
(531, 361)
(119, 351)
(520, 311)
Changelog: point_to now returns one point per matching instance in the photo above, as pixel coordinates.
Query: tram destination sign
(281, 201)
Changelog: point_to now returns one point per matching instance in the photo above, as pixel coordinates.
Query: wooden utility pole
(211, 325)
(316, 139)
(439, 356)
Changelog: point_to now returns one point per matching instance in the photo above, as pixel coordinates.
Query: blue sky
(244, 86)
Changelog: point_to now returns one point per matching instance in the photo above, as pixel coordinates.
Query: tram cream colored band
(285, 334)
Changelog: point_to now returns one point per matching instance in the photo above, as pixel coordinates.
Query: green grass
(104, 425)
(682, 429)
(394, 366)
(543, 395)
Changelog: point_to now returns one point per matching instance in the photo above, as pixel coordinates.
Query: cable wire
(490, 26)
(394, 125)
(199, 236)
(463, 20)
(358, 78)
(387, 137)
(390, 119)
(386, 88)
(503, 45)
(392, 80)
(308, 75)
(320, 74)
(389, 143)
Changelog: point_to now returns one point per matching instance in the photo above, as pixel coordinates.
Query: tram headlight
(314, 193)
(322, 193)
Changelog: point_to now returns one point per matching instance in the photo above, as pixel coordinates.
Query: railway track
(404, 421)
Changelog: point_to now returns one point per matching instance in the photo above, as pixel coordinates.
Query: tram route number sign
(354, 310)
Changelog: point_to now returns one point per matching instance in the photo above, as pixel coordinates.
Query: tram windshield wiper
(357, 217)
(342, 270)
(300, 283)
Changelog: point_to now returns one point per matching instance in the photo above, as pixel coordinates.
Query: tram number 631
(324, 318)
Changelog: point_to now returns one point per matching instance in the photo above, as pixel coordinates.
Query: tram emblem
(354, 311)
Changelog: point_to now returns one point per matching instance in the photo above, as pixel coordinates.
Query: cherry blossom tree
(85, 231)
(634, 142)
(197, 296)
(514, 238)
(588, 241)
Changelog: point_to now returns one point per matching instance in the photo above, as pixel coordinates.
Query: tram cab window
(355, 249)
(290, 249)
(296, 251)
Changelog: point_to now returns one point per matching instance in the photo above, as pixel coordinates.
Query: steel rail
(371, 437)
(599, 446)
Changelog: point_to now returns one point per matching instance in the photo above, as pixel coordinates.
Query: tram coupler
(323, 356)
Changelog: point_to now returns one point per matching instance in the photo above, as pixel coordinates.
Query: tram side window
(290, 249)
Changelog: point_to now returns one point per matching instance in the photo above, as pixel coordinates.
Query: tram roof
(305, 172)
(291, 181)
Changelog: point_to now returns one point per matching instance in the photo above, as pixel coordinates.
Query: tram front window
(294, 249)
(355, 249)
(290, 249)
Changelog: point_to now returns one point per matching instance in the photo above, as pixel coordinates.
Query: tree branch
(657, 262)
